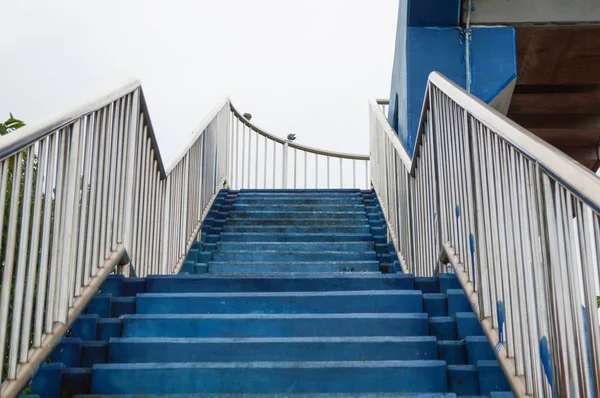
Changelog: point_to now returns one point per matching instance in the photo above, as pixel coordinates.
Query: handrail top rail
(581, 181)
(28, 134)
(292, 144)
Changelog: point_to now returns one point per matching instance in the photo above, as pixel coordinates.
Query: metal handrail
(268, 164)
(517, 220)
(102, 200)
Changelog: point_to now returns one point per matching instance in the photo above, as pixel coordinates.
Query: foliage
(11, 124)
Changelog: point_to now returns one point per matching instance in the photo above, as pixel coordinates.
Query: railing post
(131, 156)
(434, 141)
(69, 246)
(285, 164)
(166, 222)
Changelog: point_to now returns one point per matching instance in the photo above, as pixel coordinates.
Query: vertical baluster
(305, 170)
(274, 162)
(265, 165)
(327, 172)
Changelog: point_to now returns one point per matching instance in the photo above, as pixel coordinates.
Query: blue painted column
(429, 38)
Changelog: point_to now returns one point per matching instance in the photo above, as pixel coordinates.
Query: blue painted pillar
(429, 38)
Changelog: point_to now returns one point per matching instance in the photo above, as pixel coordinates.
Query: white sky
(306, 67)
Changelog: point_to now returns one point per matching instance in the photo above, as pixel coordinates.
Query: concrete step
(298, 215)
(347, 222)
(275, 325)
(295, 237)
(323, 246)
(254, 267)
(284, 282)
(342, 207)
(298, 229)
(270, 377)
(285, 201)
(292, 349)
(298, 194)
(280, 395)
(276, 255)
(366, 301)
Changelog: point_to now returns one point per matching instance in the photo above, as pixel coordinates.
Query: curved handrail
(509, 212)
(294, 145)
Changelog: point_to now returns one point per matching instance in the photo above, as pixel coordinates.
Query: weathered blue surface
(429, 38)
(457, 301)
(478, 348)
(491, 377)
(462, 380)
(366, 301)
(452, 351)
(275, 325)
(279, 395)
(272, 312)
(271, 377)
(288, 349)
(467, 325)
(247, 267)
(284, 282)
(434, 304)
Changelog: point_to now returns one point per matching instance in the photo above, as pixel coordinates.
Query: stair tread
(327, 339)
(382, 315)
(351, 293)
(290, 365)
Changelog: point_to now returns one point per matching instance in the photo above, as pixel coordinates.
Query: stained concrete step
(298, 194)
(254, 267)
(338, 302)
(298, 215)
(285, 200)
(276, 255)
(275, 325)
(298, 229)
(284, 282)
(270, 377)
(348, 222)
(343, 207)
(294, 237)
(323, 246)
(280, 395)
(161, 350)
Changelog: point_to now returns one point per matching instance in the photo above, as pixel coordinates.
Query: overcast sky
(306, 67)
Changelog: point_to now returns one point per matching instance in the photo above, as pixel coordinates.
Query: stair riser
(299, 246)
(234, 267)
(192, 284)
(283, 202)
(298, 215)
(293, 256)
(307, 229)
(362, 377)
(242, 326)
(300, 208)
(297, 222)
(291, 237)
(138, 350)
(276, 303)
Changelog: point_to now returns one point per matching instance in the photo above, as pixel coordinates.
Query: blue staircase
(288, 293)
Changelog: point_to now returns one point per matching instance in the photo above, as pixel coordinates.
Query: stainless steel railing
(89, 191)
(260, 160)
(518, 221)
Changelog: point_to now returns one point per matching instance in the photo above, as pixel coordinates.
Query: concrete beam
(532, 11)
